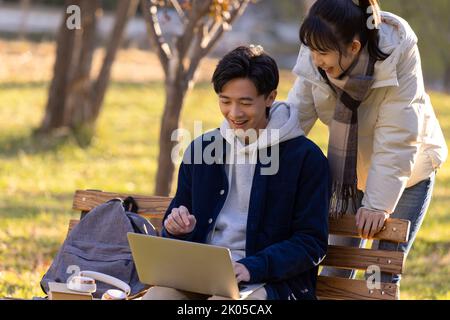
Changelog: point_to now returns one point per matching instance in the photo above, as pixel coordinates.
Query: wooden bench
(328, 288)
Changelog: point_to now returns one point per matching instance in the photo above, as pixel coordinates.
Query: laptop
(187, 266)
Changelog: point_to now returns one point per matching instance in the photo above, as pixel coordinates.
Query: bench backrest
(395, 230)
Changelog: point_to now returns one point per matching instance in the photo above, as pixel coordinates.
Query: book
(59, 291)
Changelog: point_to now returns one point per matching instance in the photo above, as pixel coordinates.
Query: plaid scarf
(351, 88)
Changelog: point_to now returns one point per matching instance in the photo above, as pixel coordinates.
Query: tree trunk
(25, 8)
(180, 59)
(447, 78)
(125, 10)
(175, 93)
(79, 98)
(54, 113)
(75, 99)
(89, 94)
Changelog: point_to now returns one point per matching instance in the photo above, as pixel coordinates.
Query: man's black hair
(247, 63)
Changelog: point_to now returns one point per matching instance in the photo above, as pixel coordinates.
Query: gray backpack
(99, 243)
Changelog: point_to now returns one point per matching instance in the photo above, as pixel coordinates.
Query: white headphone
(85, 282)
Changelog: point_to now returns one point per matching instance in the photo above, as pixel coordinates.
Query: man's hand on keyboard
(241, 272)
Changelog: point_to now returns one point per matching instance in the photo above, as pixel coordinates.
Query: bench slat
(395, 230)
(350, 258)
(329, 288)
(149, 206)
(361, 259)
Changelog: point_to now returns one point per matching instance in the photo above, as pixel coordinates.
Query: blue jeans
(412, 206)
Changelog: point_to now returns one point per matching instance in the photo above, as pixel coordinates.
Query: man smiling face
(246, 82)
(242, 106)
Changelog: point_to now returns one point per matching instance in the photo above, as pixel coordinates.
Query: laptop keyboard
(242, 286)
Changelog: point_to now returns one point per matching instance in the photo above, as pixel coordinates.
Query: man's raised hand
(180, 221)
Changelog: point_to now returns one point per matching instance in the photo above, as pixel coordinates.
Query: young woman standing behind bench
(359, 72)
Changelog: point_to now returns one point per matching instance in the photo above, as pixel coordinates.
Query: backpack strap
(130, 201)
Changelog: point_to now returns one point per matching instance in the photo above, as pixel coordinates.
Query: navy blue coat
(287, 225)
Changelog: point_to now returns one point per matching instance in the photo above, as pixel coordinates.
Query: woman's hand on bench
(370, 222)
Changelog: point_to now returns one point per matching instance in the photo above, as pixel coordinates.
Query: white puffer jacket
(400, 142)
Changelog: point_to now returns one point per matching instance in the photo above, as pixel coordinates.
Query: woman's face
(333, 63)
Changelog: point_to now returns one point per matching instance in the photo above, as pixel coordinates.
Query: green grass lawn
(38, 179)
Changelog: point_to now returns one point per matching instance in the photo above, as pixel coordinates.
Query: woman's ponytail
(372, 22)
(371, 10)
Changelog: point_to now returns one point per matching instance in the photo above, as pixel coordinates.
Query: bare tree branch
(203, 29)
(199, 9)
(125, 10)
(195, 55)
(179, 10)
(156, 38)
(217, 32)
(208, 40)
(237, 12)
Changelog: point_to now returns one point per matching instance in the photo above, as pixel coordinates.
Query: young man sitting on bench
(256, 185)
